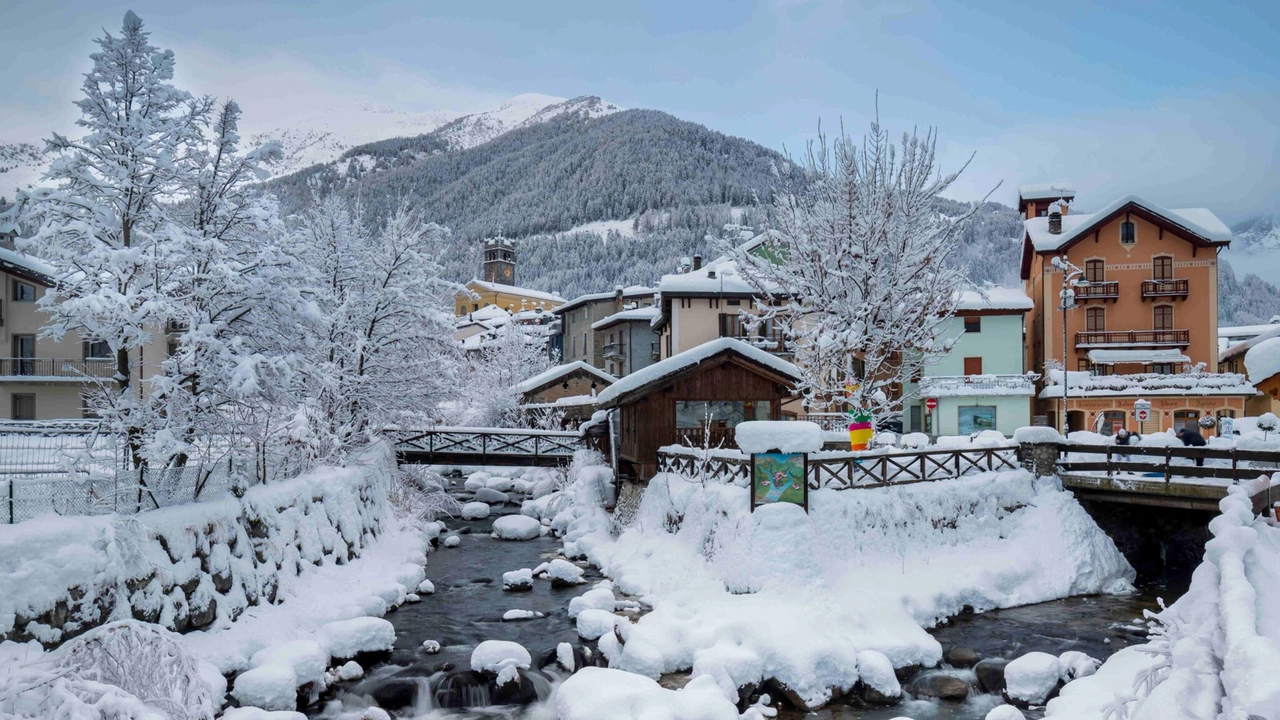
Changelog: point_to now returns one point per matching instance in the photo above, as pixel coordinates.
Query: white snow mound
(516, 527)
(760, 436)
(1032, 677)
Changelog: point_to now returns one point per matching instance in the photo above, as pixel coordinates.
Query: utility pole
(1071, 279)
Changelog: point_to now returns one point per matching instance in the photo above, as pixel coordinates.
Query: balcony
(1152, 289)
(766, 337)
(614, 351)
(1133, 338)
(655, 351)
(55, 370)
(936, 386)
(1098, 291)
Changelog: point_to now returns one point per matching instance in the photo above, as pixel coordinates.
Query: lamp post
(1067, 301)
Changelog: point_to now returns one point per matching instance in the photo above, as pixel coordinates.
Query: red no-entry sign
(931, 403)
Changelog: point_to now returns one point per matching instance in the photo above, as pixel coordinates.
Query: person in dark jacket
(1192, 438)
(1126, 438)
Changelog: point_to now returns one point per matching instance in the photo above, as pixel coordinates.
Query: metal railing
(833, 421)
(1165, 288)
(479, 444)
(613, 351)
(940, 384)
(40, 369)
(1167, 463)
(1126, 338)
(1103, 290)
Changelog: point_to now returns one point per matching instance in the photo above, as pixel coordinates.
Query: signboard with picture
(779, 477)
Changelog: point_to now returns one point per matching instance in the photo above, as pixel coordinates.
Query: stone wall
(186, 567)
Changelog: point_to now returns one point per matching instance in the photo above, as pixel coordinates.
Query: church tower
(500, 261)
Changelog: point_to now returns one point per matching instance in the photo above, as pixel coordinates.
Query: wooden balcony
(55, 370)
(1098, 291)
(1153, 289)
(716, 437)
(1133, 338)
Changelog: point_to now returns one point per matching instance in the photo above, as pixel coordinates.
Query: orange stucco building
(1149, 307)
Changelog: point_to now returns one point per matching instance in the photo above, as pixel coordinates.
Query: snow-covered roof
(566, 401)
(1046, 191)
(1263, 360)
(1244, 347)
(718, 277)
(8, 228)
(1116, 357)
(630, 291)
(1084, 384)
(513, 290)
(690, 358)
(646, 314)
(1244, 332)
(1198, 221)
(549, 376)
(25, 265)
(995, 298)
(940, 386)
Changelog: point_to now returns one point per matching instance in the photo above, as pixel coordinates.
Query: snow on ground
(741, 597)
(593, 693)
(1216, 653)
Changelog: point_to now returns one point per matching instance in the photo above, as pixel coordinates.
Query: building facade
(627, 341)
(578, 339)
(1148, 306)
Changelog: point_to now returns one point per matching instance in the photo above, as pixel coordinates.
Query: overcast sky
(1172, 101)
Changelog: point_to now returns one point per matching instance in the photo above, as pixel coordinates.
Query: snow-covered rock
(348, 638)
(876, 672)
(1075, 664)
(518, 580)
(254, 713)
(430, 647)
(563, 572)
(476, 480)
(565, 658)
(426, 587)
(516, 527)
(491, 496)
(1005, 712)
(498, 484)
(270, 687)
(593, 623)
(350, 670)
(452, 541)
(593, 693)
(493, 656)
(475, 511)
(516, 614)
(1032, 677)
(599, 598)
(1037, 434)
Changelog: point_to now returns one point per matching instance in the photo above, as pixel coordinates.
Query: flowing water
(469, 602)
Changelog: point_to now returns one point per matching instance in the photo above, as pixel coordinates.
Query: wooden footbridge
(487, 446)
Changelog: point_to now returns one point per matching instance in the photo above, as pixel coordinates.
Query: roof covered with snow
(1199, 222)
(551, 375)
(940, 386)
(646, 314)
(1084, 384)
(721, 276)
(995, 298)
(513, 290)
(1244, 332)
(677, 364)
(27, 266)
(1240, 348)
(631, 291)
(1047, 191)
(1263, 360)
(1115, 357)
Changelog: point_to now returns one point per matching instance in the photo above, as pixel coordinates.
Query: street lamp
(1067, 301)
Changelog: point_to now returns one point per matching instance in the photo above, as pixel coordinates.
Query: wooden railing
(1158, 462)
(850, 471)
(1165, 288)
(37, 369)
(1099, 291)
(1101, 338)
(715, 437)
(481, 443)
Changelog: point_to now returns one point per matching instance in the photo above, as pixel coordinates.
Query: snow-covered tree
(99, 226)
(858, 267)
(506, 359)
(377, 332)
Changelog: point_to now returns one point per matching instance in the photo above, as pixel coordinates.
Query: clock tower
(500, 261)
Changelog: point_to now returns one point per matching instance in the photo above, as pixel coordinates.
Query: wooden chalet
(569, 389)
(694, 398)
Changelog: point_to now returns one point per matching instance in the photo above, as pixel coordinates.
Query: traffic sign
(931, 403)
(1141, 410)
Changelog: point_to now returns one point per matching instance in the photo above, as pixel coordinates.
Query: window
(917, 419)
(1095, 271)
(723, 413)
(1112, 420)
(735, 302)
(973, 366)
(23, 292)
(24, 407)
(973, 324)
(462, 309)
(1162, 368)
(1188, 419)
(475, 307)
(573, 346)
(1162, 268)
(1163, 317)
(24, 352)
(99, 349)
(1128, 234)
(1095, 319)
(976, 418)
(173, 348)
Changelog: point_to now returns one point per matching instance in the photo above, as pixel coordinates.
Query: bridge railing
(1169, 463)
(846, 471)
(491, 441)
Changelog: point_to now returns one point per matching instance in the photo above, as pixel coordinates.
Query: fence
(77, 468)
(1167, 462)
(845, 471)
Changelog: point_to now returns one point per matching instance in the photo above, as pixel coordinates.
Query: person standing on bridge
(1192, 438)
(1126, 438)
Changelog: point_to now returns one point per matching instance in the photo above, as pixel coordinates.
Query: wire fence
(79, 468)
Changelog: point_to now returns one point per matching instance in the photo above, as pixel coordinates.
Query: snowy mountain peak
(520, 111)
(1257, 235)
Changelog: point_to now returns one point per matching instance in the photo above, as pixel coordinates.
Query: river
(469, 602)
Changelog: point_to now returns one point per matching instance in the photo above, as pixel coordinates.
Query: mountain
(21, 164)
(1257, 235)
(520, 111)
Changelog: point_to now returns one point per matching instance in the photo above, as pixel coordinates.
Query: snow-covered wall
(187, 567)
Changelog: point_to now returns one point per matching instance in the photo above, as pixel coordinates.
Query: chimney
(617, 299)
(1055, 219)
(697, 262)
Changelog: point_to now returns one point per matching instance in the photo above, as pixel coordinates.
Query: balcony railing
(44, 369)
(1165, 288)
(1099, 291)
(957, 385)
(613, 351)
(704, 437)
(769, 339)
(1133, 338)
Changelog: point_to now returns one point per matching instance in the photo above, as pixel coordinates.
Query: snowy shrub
(145, 661)
(418, 494)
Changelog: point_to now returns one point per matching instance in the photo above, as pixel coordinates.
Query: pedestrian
(1126, 438)
(1192, 438)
